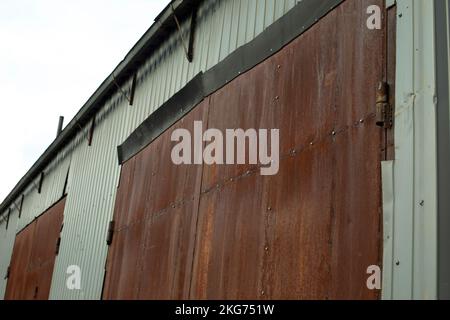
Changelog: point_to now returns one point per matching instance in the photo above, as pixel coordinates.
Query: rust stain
(226, 232)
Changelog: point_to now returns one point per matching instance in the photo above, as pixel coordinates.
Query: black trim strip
(164, 117)
(298, 20)
(443, 147)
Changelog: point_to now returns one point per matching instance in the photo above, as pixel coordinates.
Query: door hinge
(383, 108)
(110, 233)
(8, 271)
(58, 243)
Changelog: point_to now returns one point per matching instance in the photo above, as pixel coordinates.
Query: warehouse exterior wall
(7, 237)
(222, 26)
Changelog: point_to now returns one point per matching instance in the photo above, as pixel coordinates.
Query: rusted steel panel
(34, 256)
(123, 272)
(166, 256)
(226, 232)
(156, 214)
(391, 57)
(356, 234)
(19, 263)
(230, 251)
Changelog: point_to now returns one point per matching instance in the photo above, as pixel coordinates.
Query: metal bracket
(110, 233)
(58, 243)
(189, 49)
(133, 89)
(383, 108)
(390, 3)
(91, 131)
(7, 218)
(8, 272)
(41, 182)
(120, 89)
(21, 205)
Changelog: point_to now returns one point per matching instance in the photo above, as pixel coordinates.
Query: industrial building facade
(363, 116)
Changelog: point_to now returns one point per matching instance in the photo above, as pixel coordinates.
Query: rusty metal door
(226, 232)
(34, 256)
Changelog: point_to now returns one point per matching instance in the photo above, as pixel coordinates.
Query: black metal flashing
(442, 12)
(164, 117)
(298, 20)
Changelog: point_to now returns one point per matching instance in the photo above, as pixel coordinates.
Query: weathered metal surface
(222, 26)
(311, 230)
(34, 257)
(391, 57)
(19, 264)
(415, 270)
(155, 218)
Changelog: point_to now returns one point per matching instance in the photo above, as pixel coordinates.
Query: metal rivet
(333, 133)
(262, 293)
(269, 208)
(397, 263)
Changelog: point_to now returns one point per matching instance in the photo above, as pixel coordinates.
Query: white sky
(53, 55)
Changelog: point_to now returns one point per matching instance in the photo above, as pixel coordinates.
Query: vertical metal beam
(442, 12)
(60, 126)
(21, 205)
(190, 54)
(7, 218)
(41, 181)
(66, 181)
(91, 132)
(133, 89)
(414, 274)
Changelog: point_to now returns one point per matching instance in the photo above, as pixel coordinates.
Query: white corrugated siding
(223, 26)
(7, 237)
(410, 236)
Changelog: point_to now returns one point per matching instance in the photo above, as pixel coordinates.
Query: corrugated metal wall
(410, 261)
(223, 25)
(34, 255)
(7, 237)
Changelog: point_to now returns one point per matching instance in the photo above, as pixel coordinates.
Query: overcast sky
(53, 55)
